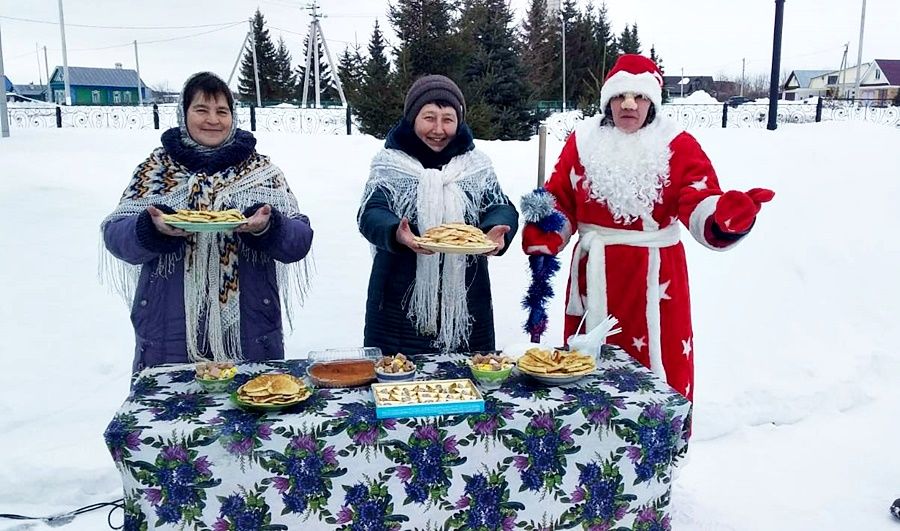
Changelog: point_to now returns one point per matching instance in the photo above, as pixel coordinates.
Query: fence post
(542, 154)
(58, 117)
(724, 116)
(348, 119)
(252, 117)
(819, 110)
(155, 116)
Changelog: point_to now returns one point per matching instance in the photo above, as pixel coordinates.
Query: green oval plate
(211, 226)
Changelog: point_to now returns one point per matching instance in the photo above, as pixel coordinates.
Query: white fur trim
(592, 244)
(654, 328)
(644, 83)
(697, 223)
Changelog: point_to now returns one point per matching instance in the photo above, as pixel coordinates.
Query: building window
(127, 96)
(59, 96)
(117, 96)
(877, 74)
(832, 80)
(95, 97)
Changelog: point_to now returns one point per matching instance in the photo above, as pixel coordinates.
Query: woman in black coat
(430, 173)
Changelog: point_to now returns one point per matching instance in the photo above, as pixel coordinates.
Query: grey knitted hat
(433, 88)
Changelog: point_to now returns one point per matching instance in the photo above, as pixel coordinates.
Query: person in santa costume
(622, 182)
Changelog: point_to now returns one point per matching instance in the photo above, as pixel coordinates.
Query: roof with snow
(8, 84)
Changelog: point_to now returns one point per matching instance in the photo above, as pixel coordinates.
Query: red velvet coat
(641, 274)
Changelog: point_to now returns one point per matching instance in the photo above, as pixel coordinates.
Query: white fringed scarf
(460, 191)
(211, 275)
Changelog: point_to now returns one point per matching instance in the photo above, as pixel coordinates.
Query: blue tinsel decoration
(543, 267)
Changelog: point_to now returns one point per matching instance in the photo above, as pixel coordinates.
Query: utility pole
(137, 65)
(562, 19)
(37, 55)
(240, 54)
(862, 28)
(4, 117)
(843, 81)
(313, 35)
(681, 82)
(743, 69)
(47, 96)
(776, 66)
(255, 66)
(62, 33)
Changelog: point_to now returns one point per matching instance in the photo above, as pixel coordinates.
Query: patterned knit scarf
(460, 191)
(211, 276)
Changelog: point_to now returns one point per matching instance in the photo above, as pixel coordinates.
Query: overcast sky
(704, 37)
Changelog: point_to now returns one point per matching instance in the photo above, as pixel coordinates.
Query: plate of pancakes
(456, 238)
(271, 392)
(556, 367)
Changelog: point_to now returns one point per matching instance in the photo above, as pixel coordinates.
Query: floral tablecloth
(596, 454)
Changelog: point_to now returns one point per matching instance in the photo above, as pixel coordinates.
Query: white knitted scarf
(460, 191)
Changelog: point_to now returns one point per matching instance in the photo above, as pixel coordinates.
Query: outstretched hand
(156, 216)
(406, 237)
(257, 222)
(497, 235)
(735, 211)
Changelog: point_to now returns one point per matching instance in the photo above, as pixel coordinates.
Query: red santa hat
(633, 73)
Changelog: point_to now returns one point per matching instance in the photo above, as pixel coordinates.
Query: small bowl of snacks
(491, 370)
(396, 368)
(215, 376)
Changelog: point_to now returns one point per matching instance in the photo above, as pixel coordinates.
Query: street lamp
(562, 20)
(776, 66)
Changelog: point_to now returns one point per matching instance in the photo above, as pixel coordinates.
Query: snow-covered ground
(797, 344)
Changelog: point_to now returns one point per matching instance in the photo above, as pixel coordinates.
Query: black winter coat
(394, 266)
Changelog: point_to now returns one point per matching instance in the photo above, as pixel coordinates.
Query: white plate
(457, 249)
(548, 379)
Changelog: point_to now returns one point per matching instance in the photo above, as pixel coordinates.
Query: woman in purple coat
(218, 295)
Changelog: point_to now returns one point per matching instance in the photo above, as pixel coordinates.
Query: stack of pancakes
(273, 390)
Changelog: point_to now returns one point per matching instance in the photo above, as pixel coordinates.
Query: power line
(35, 21)
(157, 40)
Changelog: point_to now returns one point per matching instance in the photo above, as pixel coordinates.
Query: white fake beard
(627, 171)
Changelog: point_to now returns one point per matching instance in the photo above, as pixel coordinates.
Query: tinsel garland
(539, 208)
(543, 267)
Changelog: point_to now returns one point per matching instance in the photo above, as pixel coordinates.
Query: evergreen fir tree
(536, 50)
(328, 94)
(583, 55)
(284, 83)
(606, 42)
(265, 59)
(427, 45)
(568, 13)
(497, 94)
(657, 59)
(629, 41)
(350, 72)
(379, 104)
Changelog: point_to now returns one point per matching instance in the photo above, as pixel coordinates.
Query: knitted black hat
(433, 88)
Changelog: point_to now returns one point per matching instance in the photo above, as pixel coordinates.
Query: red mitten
(536, 241)
(735, 211)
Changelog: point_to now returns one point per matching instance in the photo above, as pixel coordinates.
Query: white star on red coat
(638, 343)
(663, 296)
(687, 390)
(686, 347)
(700, 185)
